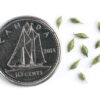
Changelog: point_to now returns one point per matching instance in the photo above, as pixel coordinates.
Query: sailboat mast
(33, 55)
(31, 58)
(23, 51)
(23, 56)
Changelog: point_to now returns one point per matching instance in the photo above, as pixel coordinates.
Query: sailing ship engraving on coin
(26, 46)
(29, 50)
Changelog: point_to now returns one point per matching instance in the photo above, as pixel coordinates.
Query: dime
(29, 50)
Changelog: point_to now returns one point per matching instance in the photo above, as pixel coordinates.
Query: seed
(82, 76)
(96, 60)
(71, 45)
(75, 64)
(97, 44)
(59, 21)
(81, 35)
(98, 25)
(84, 50)
(74, 20)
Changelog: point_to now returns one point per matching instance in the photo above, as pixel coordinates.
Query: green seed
(71, 45)
(82, 76)
(74, 20)
(59, 21)
(97, 44)
(84, 50)
(98, 25)
(75, 64)
(81, 35)
(96, 60)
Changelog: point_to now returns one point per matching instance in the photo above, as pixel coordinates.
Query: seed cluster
(84, 49)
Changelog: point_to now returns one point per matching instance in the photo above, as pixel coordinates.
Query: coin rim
(58, 56)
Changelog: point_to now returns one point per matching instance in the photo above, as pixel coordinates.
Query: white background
(64, 84)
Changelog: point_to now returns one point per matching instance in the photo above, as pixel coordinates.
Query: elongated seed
(81, 35)
(96, 60)
(59, 21)
(98, 25)
(71, 45)
(97, 44)
(82, 76)
(84, 50)
(74, 20)
(75, 64)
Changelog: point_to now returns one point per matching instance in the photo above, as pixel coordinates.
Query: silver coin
(29, 50)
